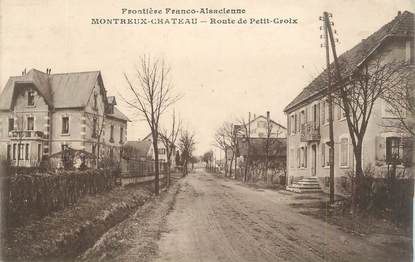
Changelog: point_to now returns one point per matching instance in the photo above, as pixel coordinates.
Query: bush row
(33, 196)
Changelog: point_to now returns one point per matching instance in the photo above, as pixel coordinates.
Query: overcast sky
(223, 71)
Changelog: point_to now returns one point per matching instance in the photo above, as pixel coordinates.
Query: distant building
(42, 113)
(259, 128)
(162, 150)
(267, 137)
(307, 115)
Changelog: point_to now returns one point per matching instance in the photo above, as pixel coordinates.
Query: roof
(65, 90)
(277, 147)
(59, 90)
(141, 148)
(261, 116)
(401, 26)
(119, 115)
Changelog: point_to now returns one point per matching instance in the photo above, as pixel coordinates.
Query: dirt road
(218, 220)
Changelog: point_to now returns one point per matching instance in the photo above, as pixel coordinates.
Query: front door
(313, 159)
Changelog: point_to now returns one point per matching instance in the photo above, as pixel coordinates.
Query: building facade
(307, 116)
(42, 113)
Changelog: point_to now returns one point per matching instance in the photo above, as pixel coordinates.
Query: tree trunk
(226, 163)
(356, 194)
(156, 167)
(168, 172)
(230, 167)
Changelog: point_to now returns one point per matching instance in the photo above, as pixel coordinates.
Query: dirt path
(218, 220)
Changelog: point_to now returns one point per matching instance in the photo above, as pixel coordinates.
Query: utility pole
(326, 25)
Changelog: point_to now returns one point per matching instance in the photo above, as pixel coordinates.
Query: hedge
(37, 195)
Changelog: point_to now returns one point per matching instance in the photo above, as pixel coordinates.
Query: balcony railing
(310, 132)
(27, 134)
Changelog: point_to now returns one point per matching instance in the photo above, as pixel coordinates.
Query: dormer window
(95, 101)
(111, 109)
(31, 98)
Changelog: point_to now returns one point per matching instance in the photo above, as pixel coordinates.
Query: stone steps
(305, 185)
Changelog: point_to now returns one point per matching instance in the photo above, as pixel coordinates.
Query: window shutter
(407, 154)
(306, 115)
(380, 148)
(323, 153)
(323, 111)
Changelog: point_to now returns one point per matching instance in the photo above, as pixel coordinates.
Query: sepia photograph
(182, 131)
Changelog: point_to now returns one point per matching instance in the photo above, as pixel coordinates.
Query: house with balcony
(308, 114)
(42, 114)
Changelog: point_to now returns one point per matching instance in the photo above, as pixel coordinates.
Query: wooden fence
(37, 195)
(141, 168)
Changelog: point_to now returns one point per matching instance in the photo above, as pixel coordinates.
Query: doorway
(313, 159)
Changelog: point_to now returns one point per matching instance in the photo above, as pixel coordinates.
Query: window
(14, 151)
(9, 149)
(260, 134)
(21, 149)
(325, 155)
(65, 125)
(27, 152)
(292, 124)
(121, 134)
(344, 152)
(393, 150)
(30, 123)
(303, 157)
(95, 101)
(31, 98)
(296, 124)
(11, 124)
(302, 118)
(111, 133)
(111, 154)
(162, 151)
(94, 127)
(93, 150)
(327, 109)
(298, 157)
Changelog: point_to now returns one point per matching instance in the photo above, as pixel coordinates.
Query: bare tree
(207, 158)
(96, 122)
(401, 101)
(357, 96)
(245, 128)
(187, 146)
(225, 141)
(169, 138)
(271, 145)
(151, 95)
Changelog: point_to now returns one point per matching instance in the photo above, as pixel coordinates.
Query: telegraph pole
(326, 25)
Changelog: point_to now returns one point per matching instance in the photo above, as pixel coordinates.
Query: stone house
(307, 116)
(42, 113)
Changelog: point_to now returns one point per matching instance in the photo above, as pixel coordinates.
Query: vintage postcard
(207, 130)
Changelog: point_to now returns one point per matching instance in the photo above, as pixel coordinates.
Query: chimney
(399, 13)
(268, 115)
